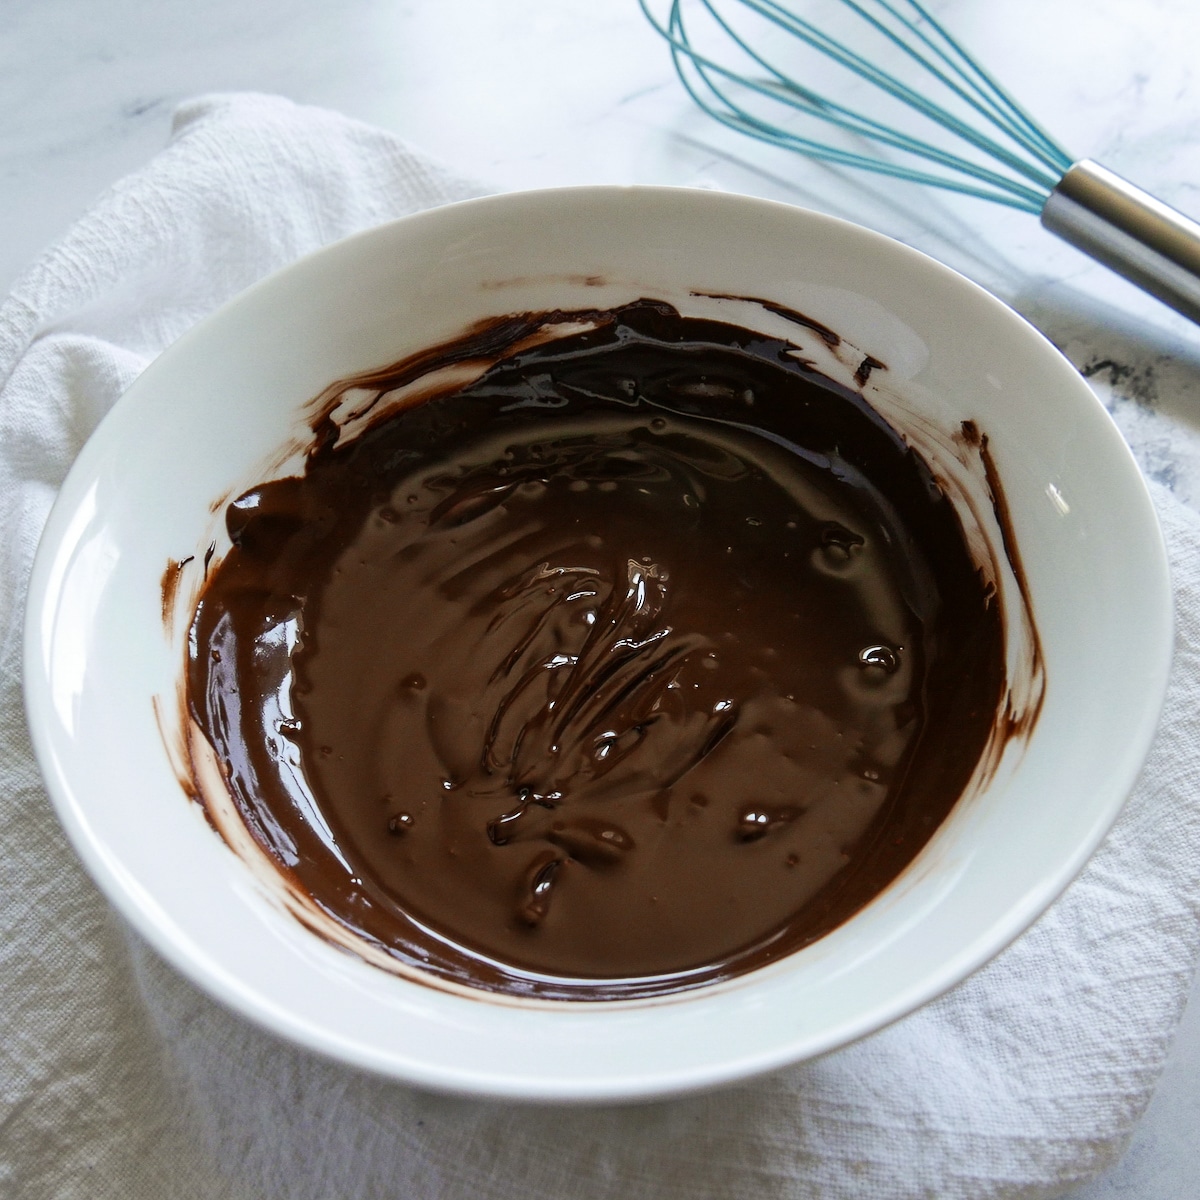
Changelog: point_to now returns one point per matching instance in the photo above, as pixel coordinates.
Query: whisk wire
(801, 99)
(957, 73)
(778, 14)
(978, 90)
(740, 119)
(1005, 110)
(1024, 128)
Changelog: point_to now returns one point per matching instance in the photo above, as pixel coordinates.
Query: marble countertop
(530, 93)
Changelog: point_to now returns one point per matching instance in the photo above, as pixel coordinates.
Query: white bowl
(217, 411)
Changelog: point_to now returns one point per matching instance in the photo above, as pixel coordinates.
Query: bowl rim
(143, 914)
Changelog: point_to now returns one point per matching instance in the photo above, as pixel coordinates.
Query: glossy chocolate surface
(646, 658)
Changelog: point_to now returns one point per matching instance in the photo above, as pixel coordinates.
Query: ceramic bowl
(224, 407)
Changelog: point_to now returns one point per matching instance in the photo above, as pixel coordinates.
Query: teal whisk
(934, 116)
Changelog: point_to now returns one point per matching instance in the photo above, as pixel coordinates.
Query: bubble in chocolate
(880, 658)
(535, 904)
(838, 550)
(753, 824)
(592, 841)
(757, 822)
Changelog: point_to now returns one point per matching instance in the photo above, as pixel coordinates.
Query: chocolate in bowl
(643, 659)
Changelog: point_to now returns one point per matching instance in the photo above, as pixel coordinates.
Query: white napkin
(118, 1079)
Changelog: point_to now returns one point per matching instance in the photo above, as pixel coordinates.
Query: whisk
(741, 61)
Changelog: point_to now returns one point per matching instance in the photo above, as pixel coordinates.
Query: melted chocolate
(645, 659)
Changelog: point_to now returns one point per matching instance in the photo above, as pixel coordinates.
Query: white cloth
(118, 1079)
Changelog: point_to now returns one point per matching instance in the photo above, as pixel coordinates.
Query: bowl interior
(223, 408)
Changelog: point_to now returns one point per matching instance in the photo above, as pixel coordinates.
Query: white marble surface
(539, 92)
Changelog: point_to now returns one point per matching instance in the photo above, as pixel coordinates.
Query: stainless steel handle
(1146, 241)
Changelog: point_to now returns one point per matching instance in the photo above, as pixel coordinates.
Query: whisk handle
(1139, 237)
